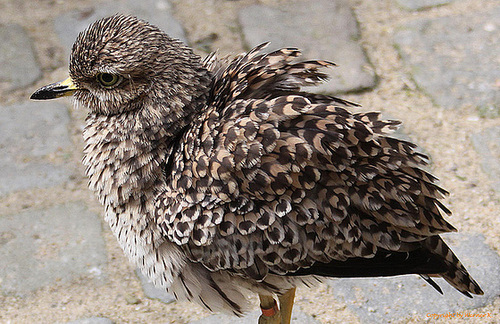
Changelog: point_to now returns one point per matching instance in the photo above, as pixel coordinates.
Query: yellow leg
(286, 305)
(268, 304)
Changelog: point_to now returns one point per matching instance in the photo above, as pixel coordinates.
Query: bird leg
(270, 311)
(286, 305)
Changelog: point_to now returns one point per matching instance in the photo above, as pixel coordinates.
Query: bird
(222, 176)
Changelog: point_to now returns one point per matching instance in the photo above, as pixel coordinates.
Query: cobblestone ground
(431, 63)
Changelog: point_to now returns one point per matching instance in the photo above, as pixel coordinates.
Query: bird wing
(273, 180)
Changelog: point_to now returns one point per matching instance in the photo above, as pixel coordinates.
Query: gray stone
(153, 292)
(92, 320)
(43, 247)
(28, 132)
(157, 12)
(298, 317)
(382, 300)
(323, 29)
(455, 59)
(422, 4)
(487, 144)
(19, 67)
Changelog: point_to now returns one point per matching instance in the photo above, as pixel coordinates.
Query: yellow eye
(108, 80)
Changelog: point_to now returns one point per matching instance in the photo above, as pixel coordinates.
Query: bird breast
(124, 171)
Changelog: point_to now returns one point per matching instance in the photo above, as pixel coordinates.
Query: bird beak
(55, 90)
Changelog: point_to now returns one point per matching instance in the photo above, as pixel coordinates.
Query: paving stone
(29, 131)
(298, 317)
(42, 247)
(153, 292)
(19, 67)
(422, 4)
(487, 144)
(322, 29)
(92, 320)
(455, 59)
(157, 12)
(382, 300)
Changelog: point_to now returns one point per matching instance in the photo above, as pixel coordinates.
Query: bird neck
(125, 155)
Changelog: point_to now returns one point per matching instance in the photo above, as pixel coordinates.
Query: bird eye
(108, 80)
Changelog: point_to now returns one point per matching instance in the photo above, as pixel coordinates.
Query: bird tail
(456, 274)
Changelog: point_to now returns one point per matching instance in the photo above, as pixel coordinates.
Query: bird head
(121, 64)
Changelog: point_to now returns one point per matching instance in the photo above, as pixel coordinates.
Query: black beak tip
(43, 94)
(35, 96)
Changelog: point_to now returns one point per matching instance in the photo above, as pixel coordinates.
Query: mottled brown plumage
(222, 175)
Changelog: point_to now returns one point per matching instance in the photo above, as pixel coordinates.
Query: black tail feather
(384, 263)
(432, 283)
